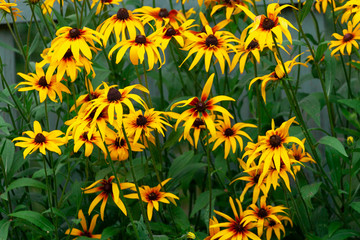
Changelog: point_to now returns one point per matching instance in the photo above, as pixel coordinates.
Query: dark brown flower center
(85, 136)
(122, 14)
(275, 141)
(203, 29)
(272, 223)
(141, 120)
(140, 39)
(348, 37)
(170, 32)
(152, 196)
(119, 142)
(198, 122)
(200, 106)
(74, 33)
(39, 138)
(211, 40)
(43, 82)
(256, 178)
(252, 45)
(106, 1)
(297, 157)
(228, 132)
(86, 234)
(113, 95)
(262, 213)
(68, 54)
(268, 24)
(237, 227)
(91, 96)
(107, 187)
(163, 13)
(227, 1)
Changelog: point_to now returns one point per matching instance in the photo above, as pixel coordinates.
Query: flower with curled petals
(201, 108)
(6, 6)
(103, 3)
(152, 196)
(39, 139)
(322, 5)
(349, 8)
(273, 226)
(198, 126)
(118, 23)
(108, 188)
(350, 35)
(85, 232)
(235, 228)
(89, 141)
(230, 6)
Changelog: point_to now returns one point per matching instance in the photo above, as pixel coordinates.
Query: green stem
(146, 83)
(161, 88)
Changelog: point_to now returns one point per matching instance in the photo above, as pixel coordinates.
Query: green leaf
(323, 46)
(311, 105)
(305, 10)
(4, 229)
(7, 153)
(356, 206)
(26, 182)
(344, 234)
(109, 233)
(203, 200)
(309, 191)
(161, 237)
(334, 143)
(8, 47)
(182, 219)
(352, 103)
(34, 218)
(179, 163)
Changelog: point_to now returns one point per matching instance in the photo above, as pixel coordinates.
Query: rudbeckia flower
(118, 23)
(161, 16)
(75, 39)
(6, 6)
(107, 189)
(39, 139)
(85, 232)
(45, 86)
(204, 22)
(152, 196)
(83, 101)
(200, 107)
(200, 2)
(230, 6)
(138, 47)
(229, 135)
(272, 147)
(264, 27)
(198, 126)
(212, 231)
(276, 75)
(235, 228)
(210, 44)
(350, 35)
(67, 64)
(322, 4)
(113, 99)
(141, 125)
(262, 213)
(47, 6)
(273, 175)
(253, 49)
(299, 155)
(117, 145)
(103, 3)
(273, 226)
(350, 7)
(89, 141)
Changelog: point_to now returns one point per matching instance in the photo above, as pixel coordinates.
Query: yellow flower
(120, 22)
(152, 196)
(84, 138)
(236, 228)
(198, 126)
(117, 146)
(299, 155)
(273, 226)
(48, 5)
(323, 4)
(229, 135)
(39, 139)
(243, 52)
(204, 22)
(85, 100)
(276, 75)
(349, 8)
(199, 108)
(6, 6)
(15, 12)
(190, 235)
(161, 16)
(262, 213)
(264, 27)
(140, 45)
(75, 39)
(45, 86)
(351, 34)
(103, 3)
(107, 189)
(230, 6)
(350, 140)
(113, 99)
(139, 125)
(85, 232)
(209, 44)
(212, 230)
(272, 147)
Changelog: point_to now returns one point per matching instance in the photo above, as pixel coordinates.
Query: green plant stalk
(65, 186)
(137, 185)
(37, 25)
(161, 88)
(146, 83)
(152, 156)
(209, 176)
(328, 104)
(184, 88)
(171, 4)
(77, 15)
(17, 40)
(141, 82)
(6, 185)
(47, 25)
(258, 98)
(304, 203)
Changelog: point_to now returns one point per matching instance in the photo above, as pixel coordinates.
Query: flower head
(6, 6)
(201, 107)
(230, 6)
(108, 188)
(85, 232)
(89, 141)
(103, 3)
(152, 196)
(322, 4)
(350, 35)
(39, 139)
(198, 126)
(349, 8)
